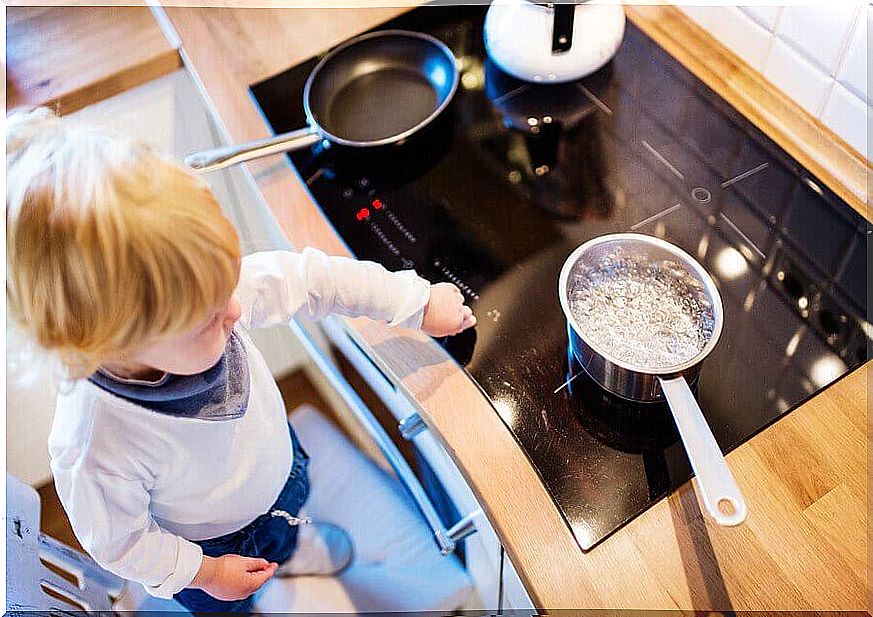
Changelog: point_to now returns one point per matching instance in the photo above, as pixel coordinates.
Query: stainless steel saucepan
(642, 316)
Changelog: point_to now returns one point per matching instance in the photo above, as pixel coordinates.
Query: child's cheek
(218, 341)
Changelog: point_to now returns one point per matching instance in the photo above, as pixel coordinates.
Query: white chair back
(45, 575)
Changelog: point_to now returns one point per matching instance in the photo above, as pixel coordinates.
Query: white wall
(817, 55)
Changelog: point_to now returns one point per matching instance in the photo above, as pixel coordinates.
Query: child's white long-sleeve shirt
(138, 485)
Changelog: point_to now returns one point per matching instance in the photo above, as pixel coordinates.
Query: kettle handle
(562, 29)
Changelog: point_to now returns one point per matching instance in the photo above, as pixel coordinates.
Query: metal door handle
(411, 426)
(465, 527)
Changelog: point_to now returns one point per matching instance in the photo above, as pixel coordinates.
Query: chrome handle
(378, 435)
(411, 426)
(227, 156)
(465, 527)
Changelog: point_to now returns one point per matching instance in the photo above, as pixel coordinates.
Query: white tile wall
(821, 33)
(844, 113)
(740, 32)
(797, 77)
(853, 72)
(816, 54)
(767, 16)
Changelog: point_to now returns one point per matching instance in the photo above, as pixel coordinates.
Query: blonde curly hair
(109, 246)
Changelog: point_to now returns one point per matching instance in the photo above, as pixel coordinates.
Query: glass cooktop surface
(513, 176)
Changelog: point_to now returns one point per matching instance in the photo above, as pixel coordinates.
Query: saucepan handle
(227, 156)
(718, 489)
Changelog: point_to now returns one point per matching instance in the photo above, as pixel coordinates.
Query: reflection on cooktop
(517, 175)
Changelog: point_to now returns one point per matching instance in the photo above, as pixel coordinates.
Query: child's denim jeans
(269, 537)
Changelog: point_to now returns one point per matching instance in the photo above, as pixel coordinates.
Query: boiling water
(652, 314)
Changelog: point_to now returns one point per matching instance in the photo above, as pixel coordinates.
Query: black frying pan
(374, 90)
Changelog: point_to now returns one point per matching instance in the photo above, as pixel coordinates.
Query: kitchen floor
(296, 388)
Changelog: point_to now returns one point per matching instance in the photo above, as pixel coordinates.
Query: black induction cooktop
(514, 176)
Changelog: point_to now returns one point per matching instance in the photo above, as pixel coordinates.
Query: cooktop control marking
(396, 221)
(603, 107)
(661, 158)
(740, 233)
(702, 195)
(384, 238)
(509, 95)
(655, 217)
(315, 176)
(745, 175)
(566, 383)
(454, 278)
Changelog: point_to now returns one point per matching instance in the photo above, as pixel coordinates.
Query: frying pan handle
(714, 479)
(227, 156)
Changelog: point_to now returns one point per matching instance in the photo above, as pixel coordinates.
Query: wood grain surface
(70, 57)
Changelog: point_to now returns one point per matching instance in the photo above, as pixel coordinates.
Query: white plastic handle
(718, 489)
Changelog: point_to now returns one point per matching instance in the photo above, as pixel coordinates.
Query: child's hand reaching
(445, 313)
(232, 577)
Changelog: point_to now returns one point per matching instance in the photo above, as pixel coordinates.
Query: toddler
(170, 446)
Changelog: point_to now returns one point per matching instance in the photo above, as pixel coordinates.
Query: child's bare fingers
(256, 564)
(260, 576)
(257, 579)
(467, 311)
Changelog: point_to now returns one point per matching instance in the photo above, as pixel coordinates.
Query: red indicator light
(362, 214)
(377, 204)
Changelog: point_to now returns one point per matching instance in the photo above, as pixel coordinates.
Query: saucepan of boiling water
(642, 315)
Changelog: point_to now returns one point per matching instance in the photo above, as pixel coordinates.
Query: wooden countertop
(70, 57)
(804, 545)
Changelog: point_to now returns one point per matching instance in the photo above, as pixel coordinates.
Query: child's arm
(277, 285)
(109, 514)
